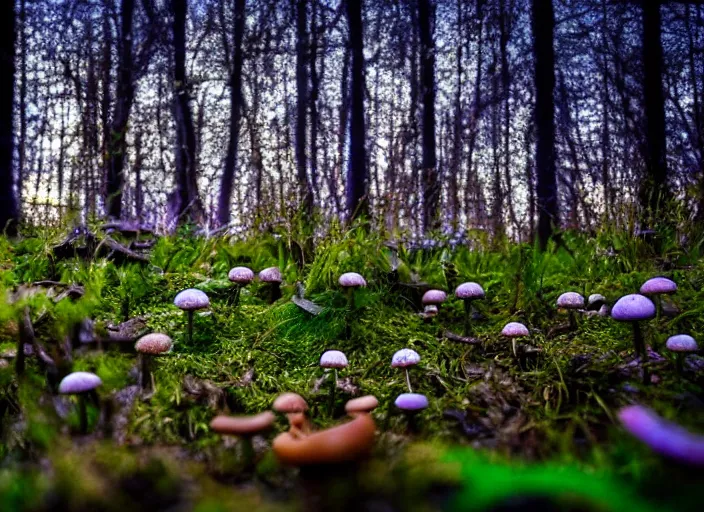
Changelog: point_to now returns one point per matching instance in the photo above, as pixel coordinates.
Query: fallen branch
(462, 339)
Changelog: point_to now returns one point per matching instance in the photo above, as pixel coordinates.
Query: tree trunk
(357, 182)
(9, 211)
(228, 175)
(543, 26)
(456, 161)
(504, 19)
(431, 184)
(106, 95)
(117, 144)
(22, 150)
(654, 190)
(472, 191)
(305, 194)
(189, 207)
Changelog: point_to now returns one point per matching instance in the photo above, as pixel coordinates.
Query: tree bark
(9, 211)
(543, 26)
(357, 182)
(305, 193)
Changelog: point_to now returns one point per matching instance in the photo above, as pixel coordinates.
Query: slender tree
(543, 26)
(9, 211)
(305, 192)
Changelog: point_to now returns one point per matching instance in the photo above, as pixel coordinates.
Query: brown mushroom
(343, 443)
(245, 427)
(363, 404)
(293, 406)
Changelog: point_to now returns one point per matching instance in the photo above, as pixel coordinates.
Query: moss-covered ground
(532, 434)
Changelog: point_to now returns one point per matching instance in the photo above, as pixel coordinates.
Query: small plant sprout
(664, 437)
(468, 292)
(245, 427)
(333, 359)
(362, 405)
(411, 404)
(241, 277)
(571, 301)
(681, 345)
(403, 359)
(293, 406)
(350, 281)
(82, 384)
(515, 330)
(656, 287)
(343, 443)
(272, 276)
(148, 347)
(191, 300)
(635, 308)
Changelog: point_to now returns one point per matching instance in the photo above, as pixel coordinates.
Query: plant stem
(573, 320)
(679, 366)
(641, 351)
(236, 298)
(408, 380)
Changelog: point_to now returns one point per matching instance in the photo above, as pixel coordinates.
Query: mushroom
(148, 347)
(293, 406)
(662, 436)
(595, 302)
(245, 427)
(411, 404)
(656, 287)
(468, 292)
(189, 301)
(342, 443)
(240, 276)
(403, 359)
(571, 301)
(350, 281)
(333, 359)
(515, 330)
(681, 344)
(635, 308)
(272, 275)
(362, 405)
(81, 384)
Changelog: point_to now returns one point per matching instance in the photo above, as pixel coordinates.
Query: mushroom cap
(570, 300)
(290, 402)
(271, 275)
(242, 425)
(681, 343)
(469, 291)
(241, 275)
(362, 404)
(351, 280)
(633, 308)
(658, 285)
(434, 297)
(154, 343)
(333, 359)
(79, 382)
(662, 436)
(342, 443)
(430, 310)
(515, 330)
(191, 299)
(405, 357)
(595, 301)
(411, 402)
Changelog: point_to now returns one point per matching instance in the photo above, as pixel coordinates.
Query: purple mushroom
(411, 404)
(635, 308)
(240, 276)
(405, 358)
(189, 301)
(81, 384)
(434, 297)
(350, 281)
(148, 347)
(273, 277)
(656, 287)
(571, 301)
(515, 330)
(333, 359)
(468, 292)
(663, 436)
(681, 344)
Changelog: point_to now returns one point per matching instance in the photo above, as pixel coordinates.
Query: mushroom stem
(412, 422)
(658, 307)
(274, 292)
(467, 314)
(408, 380)
(573, 320)
(679, 360)
(189, 313)
(333, 386)
(236, 298)
(144, 373)
(640, 350)
(82, 414)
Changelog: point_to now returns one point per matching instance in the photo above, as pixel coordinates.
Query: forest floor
(499, 434)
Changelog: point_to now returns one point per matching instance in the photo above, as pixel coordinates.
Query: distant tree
(357, 182)
(305, 191)
(543, 26)
(9, 211)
